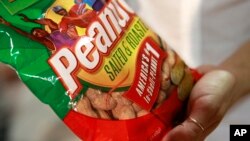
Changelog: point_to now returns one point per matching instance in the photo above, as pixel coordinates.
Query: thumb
(205, 107)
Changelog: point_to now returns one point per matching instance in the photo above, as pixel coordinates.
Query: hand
(211, 97)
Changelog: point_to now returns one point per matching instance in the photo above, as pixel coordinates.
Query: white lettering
(152, 50)
(86, 54)
(107, 29)
(123, 16)
(64, 64)
(239, 132)
(89, 51)
(243, 131)
(110, 22)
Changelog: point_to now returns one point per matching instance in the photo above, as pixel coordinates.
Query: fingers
(217, 83)
(195, 128)
(207, 105)
(187, 131)
(197, 123)
(191, 131)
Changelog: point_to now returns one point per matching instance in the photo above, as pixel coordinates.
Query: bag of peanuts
(97, 65)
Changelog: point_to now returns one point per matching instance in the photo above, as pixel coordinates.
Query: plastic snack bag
(97, 65)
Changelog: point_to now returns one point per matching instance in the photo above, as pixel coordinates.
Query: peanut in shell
(101, 101)
(142, 113)
(84, 107)
(164, 44)
(136, 107)
(122, 112)
(120, 99)
(177, 72)
(165, 83)
(186, 85)
(103, 114)
(171, 57)
(161, 97)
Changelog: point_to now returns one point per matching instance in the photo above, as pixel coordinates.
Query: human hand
(210, 98)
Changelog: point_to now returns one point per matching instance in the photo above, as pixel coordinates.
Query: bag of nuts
(101, 69)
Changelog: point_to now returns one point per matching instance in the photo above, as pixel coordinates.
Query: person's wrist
(240, 87)
(238, 65)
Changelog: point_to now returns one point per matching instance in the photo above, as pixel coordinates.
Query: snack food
(101, 69)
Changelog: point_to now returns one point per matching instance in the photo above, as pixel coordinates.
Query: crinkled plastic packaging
(97, 65)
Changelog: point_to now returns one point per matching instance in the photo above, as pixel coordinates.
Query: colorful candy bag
(97, 65)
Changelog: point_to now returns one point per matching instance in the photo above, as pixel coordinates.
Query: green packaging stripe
(15, 47)
(34, 11)
(17, 5)
(29, 58)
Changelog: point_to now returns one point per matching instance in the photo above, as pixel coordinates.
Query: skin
(213, 95)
